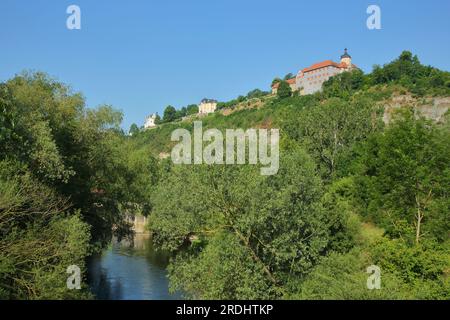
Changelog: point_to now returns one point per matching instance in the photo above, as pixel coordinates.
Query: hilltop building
(150, 121)
(310, 80)
(292, 83)
(207, 106)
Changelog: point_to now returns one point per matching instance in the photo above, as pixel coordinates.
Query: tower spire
(346, 58)
(346, 55)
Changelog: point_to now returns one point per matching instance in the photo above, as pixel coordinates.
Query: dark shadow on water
(130, 271)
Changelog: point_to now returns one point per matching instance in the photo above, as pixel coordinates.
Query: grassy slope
(266, 112)
(269, 113)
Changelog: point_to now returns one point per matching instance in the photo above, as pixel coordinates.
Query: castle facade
(310, 80)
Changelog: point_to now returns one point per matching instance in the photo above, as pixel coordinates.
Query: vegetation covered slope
(351, 192)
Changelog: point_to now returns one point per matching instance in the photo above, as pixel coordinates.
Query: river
(130, 271)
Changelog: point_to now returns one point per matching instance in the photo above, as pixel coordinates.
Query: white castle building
(150, 121)
(207, 106)
(310, 80)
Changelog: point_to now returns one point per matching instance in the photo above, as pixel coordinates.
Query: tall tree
(255, 232)
(407, 174)
(170, 114)
(192, 109)
(284, 90)
(134, 129)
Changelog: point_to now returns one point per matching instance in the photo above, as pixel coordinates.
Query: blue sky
(141, 55)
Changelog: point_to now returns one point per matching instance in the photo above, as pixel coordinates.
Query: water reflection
(130, 271)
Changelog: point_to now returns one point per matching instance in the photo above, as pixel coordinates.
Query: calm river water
(130, 271)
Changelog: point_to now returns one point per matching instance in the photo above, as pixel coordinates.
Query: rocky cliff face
(433, 108)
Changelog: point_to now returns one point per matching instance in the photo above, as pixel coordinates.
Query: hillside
(270, 112)
(363, 181)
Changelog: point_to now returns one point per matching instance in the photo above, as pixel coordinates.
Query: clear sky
(141, 55)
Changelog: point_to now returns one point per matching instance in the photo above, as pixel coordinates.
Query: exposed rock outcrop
(433, 108)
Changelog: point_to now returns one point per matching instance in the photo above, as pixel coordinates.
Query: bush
(284, 90)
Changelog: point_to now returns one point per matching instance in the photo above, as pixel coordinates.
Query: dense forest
(352, 191)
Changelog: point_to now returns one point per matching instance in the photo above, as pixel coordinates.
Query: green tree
(276, 222)
(191, 109)
(407, 71)
(330, 129)
(284, 90)
(256, 93)
(68, 176)
(157, 119)
(181, 113)
(134, 129)
(170, 114)
(38, 238)
(276, 80)
(344, 84)
(406, 171)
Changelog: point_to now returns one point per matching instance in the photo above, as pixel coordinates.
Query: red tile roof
(289, 81)
(324, 64)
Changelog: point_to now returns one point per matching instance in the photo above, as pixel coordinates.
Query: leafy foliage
(277, 220)
(405, 178)
(284, 90)
(68, 176)
(170, 114)
(351, 192)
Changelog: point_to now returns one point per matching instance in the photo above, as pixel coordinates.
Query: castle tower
(346, 58)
